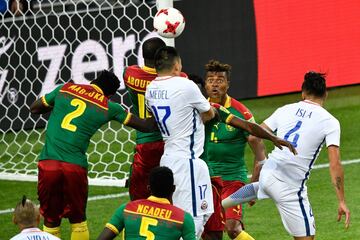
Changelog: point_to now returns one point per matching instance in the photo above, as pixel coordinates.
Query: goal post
(60, 41)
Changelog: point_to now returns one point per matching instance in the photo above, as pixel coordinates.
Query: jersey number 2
(144, 227)
(80, 109)
(296, 136)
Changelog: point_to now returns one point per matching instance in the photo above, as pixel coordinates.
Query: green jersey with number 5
(78, 112)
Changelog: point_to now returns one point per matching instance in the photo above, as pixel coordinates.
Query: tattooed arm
(337, 177)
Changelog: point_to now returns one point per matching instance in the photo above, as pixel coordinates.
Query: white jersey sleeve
(195, 98)
(273, 121)
(332, 133)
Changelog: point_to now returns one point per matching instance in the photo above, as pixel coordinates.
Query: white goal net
(55, 42)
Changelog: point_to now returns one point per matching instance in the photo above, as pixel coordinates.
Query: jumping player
(283, 177)
(77, 112)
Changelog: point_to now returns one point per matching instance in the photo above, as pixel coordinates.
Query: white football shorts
(193, 191)
(292, 203)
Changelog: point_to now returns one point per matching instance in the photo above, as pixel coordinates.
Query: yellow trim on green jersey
(43, 100)
(149, 70)
(159, 200)
(97, 88)
(149, 215)
(112, 228)
(127, 119)
(229, 118)
(227, 101)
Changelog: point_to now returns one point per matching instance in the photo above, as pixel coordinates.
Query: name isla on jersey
(303, 113)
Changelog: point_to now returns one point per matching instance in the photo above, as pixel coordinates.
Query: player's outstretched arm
(337, 177)
(106, 234)
(143, 125)
(38, 107)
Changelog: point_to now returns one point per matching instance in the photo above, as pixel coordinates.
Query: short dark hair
(161, 182)
(217, 66)
(150, 46)
(108, 82)
(314, 84)
(165, 58)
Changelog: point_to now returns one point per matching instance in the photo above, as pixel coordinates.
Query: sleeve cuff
(112, 228)
(43, 100)
(229, 118)
(127, 119)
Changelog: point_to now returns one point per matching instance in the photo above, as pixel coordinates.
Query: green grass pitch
(262, 220)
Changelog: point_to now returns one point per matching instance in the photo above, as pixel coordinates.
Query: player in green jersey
(77, 112)
(225, 148)
(154, 217)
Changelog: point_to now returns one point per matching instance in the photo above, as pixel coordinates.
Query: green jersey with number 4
(78, 112)
(225, 145)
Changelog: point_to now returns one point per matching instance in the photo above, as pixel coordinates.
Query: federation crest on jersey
(204, 205)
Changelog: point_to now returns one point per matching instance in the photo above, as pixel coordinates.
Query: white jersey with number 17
(176, 104)
(307, 126)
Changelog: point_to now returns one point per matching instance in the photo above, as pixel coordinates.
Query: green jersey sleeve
(118, 113)
(116, 224)
(188, 232)
(49, 98)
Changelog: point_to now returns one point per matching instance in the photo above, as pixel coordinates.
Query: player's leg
(233, 215)
(146, 157)
(245, 194)
(294, 208)
(50, 194)
(214, 227)
(76, 192)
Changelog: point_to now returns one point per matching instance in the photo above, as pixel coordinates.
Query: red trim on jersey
(157, 209)
(241, 108)
(138, 78)
(86, 92)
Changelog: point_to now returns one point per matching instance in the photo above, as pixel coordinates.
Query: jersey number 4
(144, 227)
(80, 109)
(296, 135)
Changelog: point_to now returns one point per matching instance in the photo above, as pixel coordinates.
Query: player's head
(314, 85)
(217, 79)
(108, 82)
(149, 48)
(167, 61)
(162, 182)
(26, 214)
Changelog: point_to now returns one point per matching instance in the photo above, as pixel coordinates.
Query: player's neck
(318, 101)
(219, 100)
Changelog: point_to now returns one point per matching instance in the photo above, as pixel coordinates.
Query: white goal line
(109, 196)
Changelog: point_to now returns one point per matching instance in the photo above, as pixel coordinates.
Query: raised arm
(337, 178)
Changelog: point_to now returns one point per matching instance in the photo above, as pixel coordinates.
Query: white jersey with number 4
(176, 104)
(307, 126)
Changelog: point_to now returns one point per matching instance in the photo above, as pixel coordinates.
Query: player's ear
(14, 220)
(148, 188)
(174, 187)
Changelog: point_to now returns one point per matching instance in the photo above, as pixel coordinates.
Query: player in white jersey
(283, 177)
(180, 110)
(27, 217)
(178, 106)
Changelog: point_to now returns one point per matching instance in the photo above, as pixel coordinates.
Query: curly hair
(217, 66)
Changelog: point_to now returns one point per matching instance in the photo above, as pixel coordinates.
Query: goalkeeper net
(57, 41)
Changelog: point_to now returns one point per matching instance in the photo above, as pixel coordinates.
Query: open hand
(343, 210)
(278, 142)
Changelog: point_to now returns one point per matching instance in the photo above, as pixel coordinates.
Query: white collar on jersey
(311, 102)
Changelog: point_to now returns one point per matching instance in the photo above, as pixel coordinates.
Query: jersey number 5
(144, 227)
(296, 135)
(80, 109)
